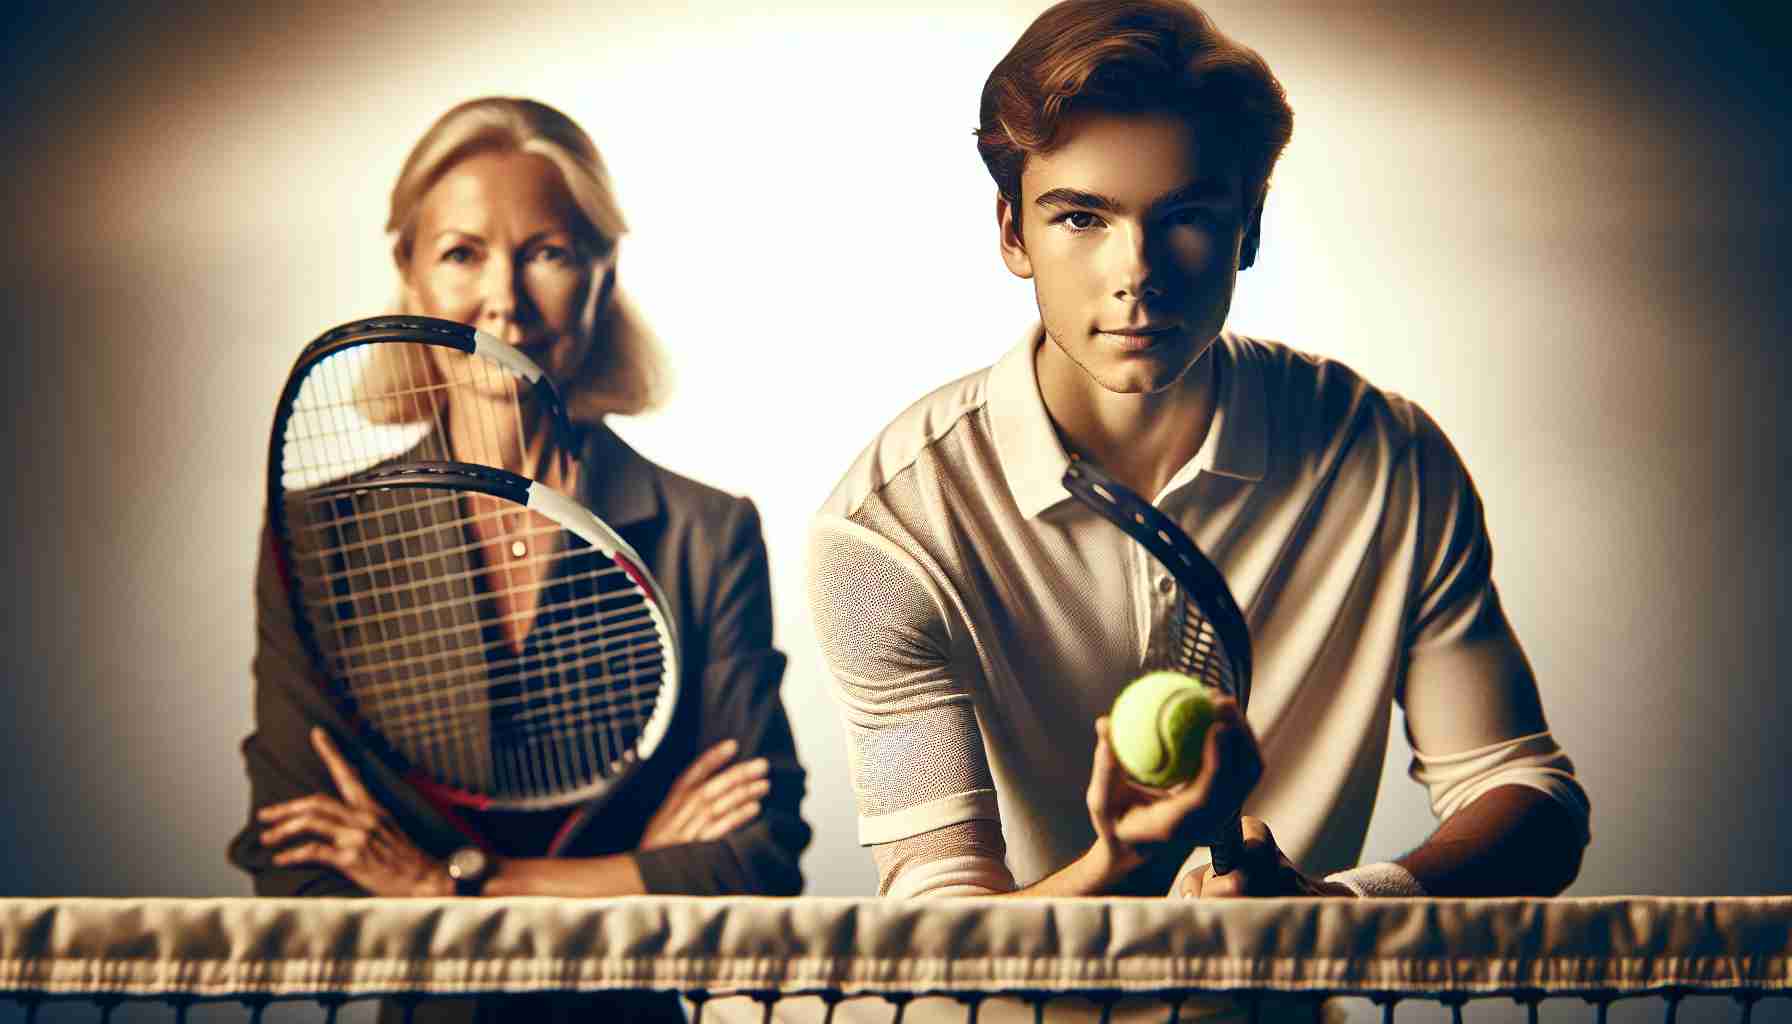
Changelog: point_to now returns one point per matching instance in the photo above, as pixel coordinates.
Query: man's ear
(1014, 250)
(1253, 237)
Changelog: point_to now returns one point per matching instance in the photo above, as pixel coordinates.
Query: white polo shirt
(977, 619)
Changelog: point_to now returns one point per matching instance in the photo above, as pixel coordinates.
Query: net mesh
(1067, 959)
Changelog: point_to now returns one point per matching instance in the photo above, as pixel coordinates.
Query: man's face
(1133, 231)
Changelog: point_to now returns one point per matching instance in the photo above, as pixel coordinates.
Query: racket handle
(1227, 847)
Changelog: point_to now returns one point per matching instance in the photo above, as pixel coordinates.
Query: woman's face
(498, 247)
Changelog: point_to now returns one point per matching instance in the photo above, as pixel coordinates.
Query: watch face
(468, 864)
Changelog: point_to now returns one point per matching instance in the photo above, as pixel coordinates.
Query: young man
(978, 620)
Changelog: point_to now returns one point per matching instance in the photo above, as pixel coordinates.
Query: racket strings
(565, 697)
(563, 590)
(1197, 650)
(473, 676)
(558, 672)
(427, 657)
(607, 714)
(398, 536)
(378, 402)
(458, 600)
(421, 406)
(621, 716)
(397, 652)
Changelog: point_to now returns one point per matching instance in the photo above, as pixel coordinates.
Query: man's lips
(1141, 331)
(1138, 337)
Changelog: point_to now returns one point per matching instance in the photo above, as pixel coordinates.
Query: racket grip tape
(1227, 847)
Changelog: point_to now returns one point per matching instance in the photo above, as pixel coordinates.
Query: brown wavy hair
(1129, 56)
(624, 371)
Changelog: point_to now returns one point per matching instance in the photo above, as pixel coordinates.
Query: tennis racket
(1212, 641)
(483, 691)
(412, 387)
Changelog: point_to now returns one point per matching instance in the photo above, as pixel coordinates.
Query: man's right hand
(1135, 824)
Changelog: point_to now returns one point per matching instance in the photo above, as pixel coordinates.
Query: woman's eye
(458, 254)
(553, 254)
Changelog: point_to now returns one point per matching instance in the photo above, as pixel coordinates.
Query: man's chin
(1133, 383)
(1142, 374)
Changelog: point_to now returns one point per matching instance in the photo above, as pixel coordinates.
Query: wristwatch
(469, 867)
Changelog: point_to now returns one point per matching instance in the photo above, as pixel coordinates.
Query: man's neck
(1141, 440)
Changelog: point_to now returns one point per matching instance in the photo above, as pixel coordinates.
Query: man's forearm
(1512, 841)
(1101, 871)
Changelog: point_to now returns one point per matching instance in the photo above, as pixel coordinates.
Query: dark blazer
(706, 550)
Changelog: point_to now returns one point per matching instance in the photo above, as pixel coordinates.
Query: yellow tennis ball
(1158, 726)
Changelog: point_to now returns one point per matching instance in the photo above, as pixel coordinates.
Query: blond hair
(623, 371)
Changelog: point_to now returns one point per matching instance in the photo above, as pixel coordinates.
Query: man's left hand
(1264, 870)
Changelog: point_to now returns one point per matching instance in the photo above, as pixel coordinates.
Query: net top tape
(358, 947)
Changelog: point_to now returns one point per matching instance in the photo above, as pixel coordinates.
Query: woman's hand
(708, 800)
(354, 835)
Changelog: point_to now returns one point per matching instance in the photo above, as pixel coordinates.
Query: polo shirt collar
(1237, 444)
(619, 485)
(1034, 461)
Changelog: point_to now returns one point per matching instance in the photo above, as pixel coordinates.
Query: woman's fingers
(742, 774)
(699, 805)
(316, 803)
(341, 833)
(721, 795)
(348, 783)
(734, 796)
(314, 853)
(709, 798)
(718, 827)
(706, 764)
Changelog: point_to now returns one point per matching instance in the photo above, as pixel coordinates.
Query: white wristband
(1383, 879)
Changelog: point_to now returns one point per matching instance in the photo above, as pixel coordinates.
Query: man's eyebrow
(1070, 197)
(1206, 190)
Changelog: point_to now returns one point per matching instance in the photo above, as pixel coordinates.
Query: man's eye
(1080, 220)
(1194, 215)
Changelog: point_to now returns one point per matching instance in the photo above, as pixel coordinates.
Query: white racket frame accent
(505, 354)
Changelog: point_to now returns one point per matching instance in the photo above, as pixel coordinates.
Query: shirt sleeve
(740, 700)
(926, 800)
(1473, 714)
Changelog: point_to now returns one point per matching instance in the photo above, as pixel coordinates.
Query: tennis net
(1676, 959)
